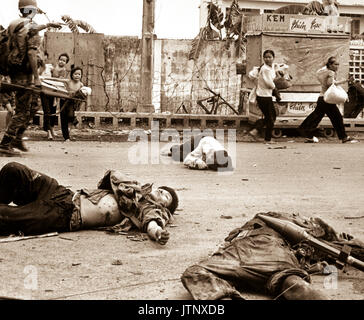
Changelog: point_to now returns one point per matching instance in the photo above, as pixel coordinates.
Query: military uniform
(257, 258)
(21, 73)
(23, 37)
(45, 206)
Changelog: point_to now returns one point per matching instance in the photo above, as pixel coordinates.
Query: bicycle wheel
(224, 109)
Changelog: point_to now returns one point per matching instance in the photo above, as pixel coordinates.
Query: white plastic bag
(86, 91)
(335, 95)
(253, 95)
(254, 73)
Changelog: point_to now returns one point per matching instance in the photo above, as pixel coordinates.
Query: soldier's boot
(6, 149)
(18, 143)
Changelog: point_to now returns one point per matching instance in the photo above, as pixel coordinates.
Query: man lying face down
(202, 152)
(258, 258)
(43, 205)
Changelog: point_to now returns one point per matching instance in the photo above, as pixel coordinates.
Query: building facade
(348, 8)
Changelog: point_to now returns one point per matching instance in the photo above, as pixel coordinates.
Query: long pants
(42, 205)
(49, 111)
(265, 104)
(26, 107)
(67, 116)
(260, 262)
(308, 126)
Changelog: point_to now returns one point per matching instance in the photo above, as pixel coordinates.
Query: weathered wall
(85, 51)
(184, 81)
(112, 69)
(304, 55)
(175, 74)
(122, 73)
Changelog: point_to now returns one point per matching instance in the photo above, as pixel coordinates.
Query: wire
(292, 286)
(115, 288)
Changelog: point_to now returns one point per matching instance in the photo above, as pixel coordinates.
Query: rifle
(46, 90)
(297, 234)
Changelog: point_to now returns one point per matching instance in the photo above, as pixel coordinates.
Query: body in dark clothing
(42, 205)
(256, 258)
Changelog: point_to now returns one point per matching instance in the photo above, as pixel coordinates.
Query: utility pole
(147, 61)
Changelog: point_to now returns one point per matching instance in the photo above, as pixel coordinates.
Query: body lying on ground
(33, 203)
(257, 258)
(202, 152)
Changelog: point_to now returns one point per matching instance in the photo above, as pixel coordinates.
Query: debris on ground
(138, 237)
(226, 217)
(21, 238)
(278, 147)
(117, 262)
(361, 217)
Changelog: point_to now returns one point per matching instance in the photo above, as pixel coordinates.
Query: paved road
(323, 180)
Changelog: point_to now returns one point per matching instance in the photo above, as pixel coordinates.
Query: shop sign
(307, 25)
(300, 107)
(297, 23)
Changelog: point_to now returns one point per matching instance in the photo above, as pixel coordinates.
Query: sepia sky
(176, 19)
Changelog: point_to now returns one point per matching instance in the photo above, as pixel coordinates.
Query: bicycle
(185, 107)
(218, 103)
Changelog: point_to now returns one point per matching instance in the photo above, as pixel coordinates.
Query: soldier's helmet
(30, 5)
(27, 4)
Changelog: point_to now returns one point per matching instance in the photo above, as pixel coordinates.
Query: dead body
(43, 205)
(202, 152)
(257, 258)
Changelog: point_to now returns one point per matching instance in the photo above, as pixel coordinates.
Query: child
(60, 71)
(68, 109)
(49, 103)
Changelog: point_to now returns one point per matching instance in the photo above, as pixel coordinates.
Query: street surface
(322, 180)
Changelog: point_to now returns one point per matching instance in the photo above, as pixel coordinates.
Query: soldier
(23, 61)
(259, 258)
(43, 205)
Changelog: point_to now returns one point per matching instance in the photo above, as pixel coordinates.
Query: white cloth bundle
(86, 91)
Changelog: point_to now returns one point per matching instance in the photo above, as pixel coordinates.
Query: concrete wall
(122, 73)
(115, 78)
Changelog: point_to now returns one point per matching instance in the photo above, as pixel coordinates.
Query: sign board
(295, 23)
(287, 109)
(293, 104)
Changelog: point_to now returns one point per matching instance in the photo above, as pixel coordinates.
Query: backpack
(4, 52)
(12, 48)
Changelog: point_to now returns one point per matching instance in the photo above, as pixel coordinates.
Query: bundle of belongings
(261, 254)
(282, 80)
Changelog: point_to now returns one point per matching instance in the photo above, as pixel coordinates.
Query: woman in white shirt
(265, 87)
